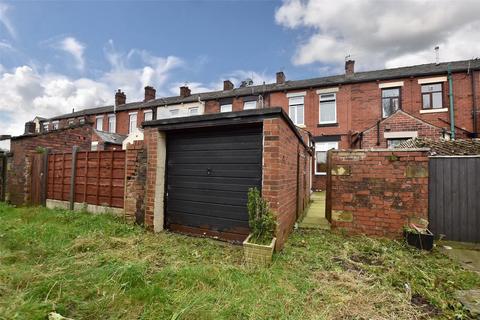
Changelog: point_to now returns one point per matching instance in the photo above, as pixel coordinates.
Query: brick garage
(377, 192)
(23, 147)
(267, 151)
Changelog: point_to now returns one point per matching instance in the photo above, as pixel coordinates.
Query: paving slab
(315, 215)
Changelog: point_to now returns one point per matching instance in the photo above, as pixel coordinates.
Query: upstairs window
(226, 107)
(248, 105)
(81, 121)
(432, 96)
(45, 126)
(99, 123)
(193, 111)
(328, 108)
(132, 122)
(174, 112)
(390, 101)
(112, 123)
(55, 125)
(148, 115)
(71, 122)
(295, 110)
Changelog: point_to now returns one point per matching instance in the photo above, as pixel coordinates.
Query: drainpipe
(378, 132)
(474, 107)
(452, 112)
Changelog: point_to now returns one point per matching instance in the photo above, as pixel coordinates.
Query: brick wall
(63, 140)
(378, 192)
(400, 121)
(280, 165)
(135, 182)
(151, 136)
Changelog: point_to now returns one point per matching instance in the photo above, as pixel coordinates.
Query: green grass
(96, 267)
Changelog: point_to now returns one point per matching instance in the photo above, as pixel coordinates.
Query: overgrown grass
(96, 267)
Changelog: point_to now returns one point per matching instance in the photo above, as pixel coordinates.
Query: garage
(209, 172)
(199, 170)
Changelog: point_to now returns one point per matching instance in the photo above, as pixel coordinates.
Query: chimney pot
(185, 91)
(228, 85)
(29, 127)
(149, 93)
(349, 67)
(280, 77)
(120, 98)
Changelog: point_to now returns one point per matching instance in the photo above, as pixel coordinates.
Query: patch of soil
(373, 261)
(347, 265)
(423, 304)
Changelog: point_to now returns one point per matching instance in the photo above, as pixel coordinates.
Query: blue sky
(59, 55)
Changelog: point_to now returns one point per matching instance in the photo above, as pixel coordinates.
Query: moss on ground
(96, 267)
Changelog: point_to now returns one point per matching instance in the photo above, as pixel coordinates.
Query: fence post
(44, 179)
(328, 191)
(72, 177)
(4, 176)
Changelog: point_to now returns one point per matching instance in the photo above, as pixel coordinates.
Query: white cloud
(28, 91)
(4, 19)
(76, 49)
(382, 33)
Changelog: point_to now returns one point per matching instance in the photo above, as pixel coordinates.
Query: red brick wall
(58, 141)
(280, 164)
(378, 192)
(400, 121)
(135, 182)
(151, 136)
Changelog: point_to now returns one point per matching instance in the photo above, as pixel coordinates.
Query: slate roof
(445, 147)
(109, 137)
(357, 77)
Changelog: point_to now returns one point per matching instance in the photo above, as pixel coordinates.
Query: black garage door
(208, 175)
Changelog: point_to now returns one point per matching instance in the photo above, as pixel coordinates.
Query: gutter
(452, 111)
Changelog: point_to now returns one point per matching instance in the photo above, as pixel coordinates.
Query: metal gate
(454, 197)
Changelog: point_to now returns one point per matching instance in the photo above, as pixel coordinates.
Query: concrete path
(315, 216)
(468, 255)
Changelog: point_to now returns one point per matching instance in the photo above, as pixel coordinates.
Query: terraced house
(371, 109)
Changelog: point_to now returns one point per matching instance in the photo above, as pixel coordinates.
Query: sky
(60, 55)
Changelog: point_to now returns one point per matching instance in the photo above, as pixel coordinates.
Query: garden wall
(377, 192)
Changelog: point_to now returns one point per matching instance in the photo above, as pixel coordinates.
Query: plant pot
(423, 241)
(258, 254)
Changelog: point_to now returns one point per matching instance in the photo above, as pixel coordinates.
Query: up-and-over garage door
(209, 172)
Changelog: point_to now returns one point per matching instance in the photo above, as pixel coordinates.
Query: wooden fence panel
(99, 177)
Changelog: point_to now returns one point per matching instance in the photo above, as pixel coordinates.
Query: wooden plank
(111, 177)
(98, 176)
(72, 177)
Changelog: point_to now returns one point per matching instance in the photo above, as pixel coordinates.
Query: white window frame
(247, 105)
(150, 112)
(132, 115)
(81, 121)
(99, 120)
(320, 107)
(227, 106)
(174, 112)
(46, 126)
(193, 111)
(110, 117)
(292, 109)
(55, 125)
(71, 122)
(323, 146)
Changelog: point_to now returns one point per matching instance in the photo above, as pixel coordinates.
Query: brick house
(351, 110)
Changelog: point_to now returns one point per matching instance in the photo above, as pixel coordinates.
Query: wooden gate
(37, 179)
(454, 197)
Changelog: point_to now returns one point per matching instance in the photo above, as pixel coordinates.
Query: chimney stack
(280, 77)
(120, 98)
(29, 127)
(228, 85)
(149, 93)
(185, 91)
(349, 67)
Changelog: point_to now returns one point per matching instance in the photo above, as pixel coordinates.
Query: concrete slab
(470, 299)
(315, 216)
(467, 254)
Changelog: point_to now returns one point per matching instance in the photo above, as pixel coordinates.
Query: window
(148, 115)
(193, 111)
(174, 112)
(132, 122)
(112, 123)
(99, 123)
(55, 125)
(432, 96)
(321, 149)
(394, 143)
(71, 122)
(82, 121)
(328, 108)
(295, 110)
(248, 105)
(390, 101)
(226, 108)
(45, 126)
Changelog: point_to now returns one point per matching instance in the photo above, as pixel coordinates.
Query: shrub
(260, 218)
